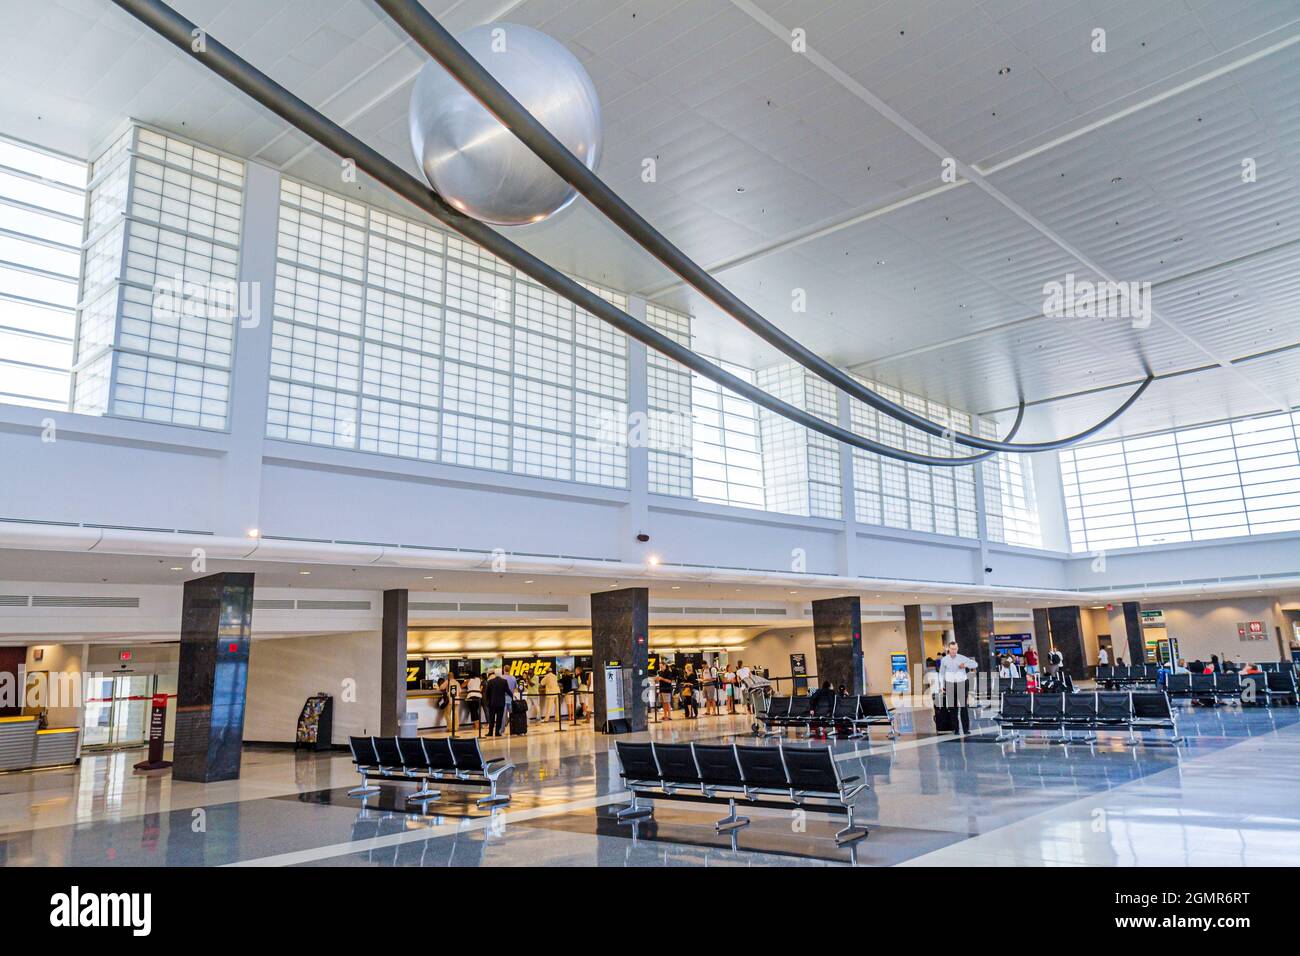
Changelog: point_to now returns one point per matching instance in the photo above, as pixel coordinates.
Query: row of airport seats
(780, 777)
(1088, 711)
(1264, 689)
(1127, 673)
(428, 760)
(858, 714)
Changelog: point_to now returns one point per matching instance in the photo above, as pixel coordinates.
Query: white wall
(284, 672)
(1210, 627)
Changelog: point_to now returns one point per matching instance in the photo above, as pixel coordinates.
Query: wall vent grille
(13, 600)
(271, 604)
(334, 605)
(67, 600)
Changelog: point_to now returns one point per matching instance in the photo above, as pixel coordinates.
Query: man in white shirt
(953, 686)
(1103, 657)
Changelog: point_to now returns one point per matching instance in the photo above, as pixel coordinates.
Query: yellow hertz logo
(412, 674)
(530, 668)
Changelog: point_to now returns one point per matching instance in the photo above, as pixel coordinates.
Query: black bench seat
(778, 777)
(855, 715)
(427, 760)
(1088, 711)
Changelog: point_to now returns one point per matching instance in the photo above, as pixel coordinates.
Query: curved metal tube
(422, 27)
(173, 27)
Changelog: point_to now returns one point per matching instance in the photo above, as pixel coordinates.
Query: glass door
(117, 710)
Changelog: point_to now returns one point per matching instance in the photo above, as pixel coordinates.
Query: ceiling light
(304, 572)
(880, 262)
(653, 559)
(254, 533)
(178, 569)
(529, 581)
(1004, 71)
(428, 577)
(677, 587)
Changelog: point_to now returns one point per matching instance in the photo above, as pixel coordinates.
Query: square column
(392, 662)
(837, 635)
(914, 634)
(1067, 637)
(620, 630)
(216, 625)
(1042, 634)
(1137, 648)
(972, 626)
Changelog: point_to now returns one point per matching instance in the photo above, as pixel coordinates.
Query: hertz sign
(533, 667)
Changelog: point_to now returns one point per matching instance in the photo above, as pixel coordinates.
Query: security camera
(643, 537)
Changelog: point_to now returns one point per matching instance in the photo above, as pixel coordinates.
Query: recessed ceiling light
(304, 572)
(254, 533)
(677, 587)
(653, 559)
(178, 569)
(428, 577)
(529, 581)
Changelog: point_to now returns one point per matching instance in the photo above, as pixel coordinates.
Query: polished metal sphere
(471, 159)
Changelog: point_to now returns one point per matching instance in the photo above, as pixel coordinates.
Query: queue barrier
(777, 777)
(428, 760)
(1264, 689)
(858, 713)
(1089, 711)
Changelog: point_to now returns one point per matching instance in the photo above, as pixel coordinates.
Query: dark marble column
(972, 625)
(392, 662)
(216, 624)
(620, 628)
(1137, 648)
(837, 636)
(914, 634)
(1067, 637)
(1042, 635)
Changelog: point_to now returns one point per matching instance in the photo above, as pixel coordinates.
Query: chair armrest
(492, 760)
(849, 779)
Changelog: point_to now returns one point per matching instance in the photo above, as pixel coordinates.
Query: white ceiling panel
(941, 295)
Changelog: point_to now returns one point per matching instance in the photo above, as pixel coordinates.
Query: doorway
(117, 710)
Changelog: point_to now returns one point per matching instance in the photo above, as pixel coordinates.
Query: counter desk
(23, 745)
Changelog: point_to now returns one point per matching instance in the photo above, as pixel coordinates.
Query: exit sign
(124, 655)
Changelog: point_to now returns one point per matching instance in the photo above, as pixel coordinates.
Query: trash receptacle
(408, 724)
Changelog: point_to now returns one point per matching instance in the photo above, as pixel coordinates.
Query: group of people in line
(718, 688)
(488, 699)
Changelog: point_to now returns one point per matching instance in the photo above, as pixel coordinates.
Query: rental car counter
(23, 745)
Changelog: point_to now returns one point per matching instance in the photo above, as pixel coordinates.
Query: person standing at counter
(497, 694)
(550, 695)
(474, 700)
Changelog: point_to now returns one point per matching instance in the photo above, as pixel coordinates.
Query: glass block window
(669, 433)
(912, 497)
(728, 461)
(42, 205)
(1235, 478)
(159, 292)
(801, 469)
(394, 337)
(1010, 503)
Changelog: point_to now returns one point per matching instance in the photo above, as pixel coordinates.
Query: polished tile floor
(1227, 797)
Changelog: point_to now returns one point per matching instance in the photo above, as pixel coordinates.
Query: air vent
(334, 605)
(432, 606)
(61, 600)
(13, 600)
(486, 607)
(543, 608)
(758, 611)
(272, 605)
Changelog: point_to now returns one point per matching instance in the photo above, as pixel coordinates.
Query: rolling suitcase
(943, 720)
(518, 717)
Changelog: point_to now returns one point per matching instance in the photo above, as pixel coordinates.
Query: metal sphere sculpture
(478, 165)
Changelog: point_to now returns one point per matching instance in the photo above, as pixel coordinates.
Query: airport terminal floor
(1224, 797)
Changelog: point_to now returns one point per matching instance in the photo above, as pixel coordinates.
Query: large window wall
(914, 497)
(159, 292)
(393, 337)
(1196, 484)
(42, 210)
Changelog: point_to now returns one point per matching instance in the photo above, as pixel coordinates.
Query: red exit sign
(124, 655)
